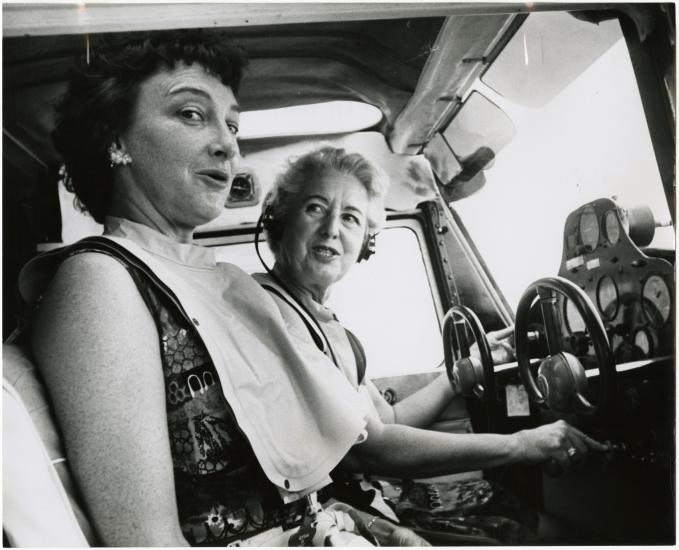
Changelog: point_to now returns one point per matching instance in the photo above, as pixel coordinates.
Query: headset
(274, 226)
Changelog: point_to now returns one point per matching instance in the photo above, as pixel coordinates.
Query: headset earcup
(270, 224)
(368, 248)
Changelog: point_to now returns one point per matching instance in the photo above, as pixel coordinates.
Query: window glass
(535, 66)
(386, 301)
(590, 141)
(306, 120)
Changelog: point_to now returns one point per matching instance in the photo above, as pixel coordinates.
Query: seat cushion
(40, 502)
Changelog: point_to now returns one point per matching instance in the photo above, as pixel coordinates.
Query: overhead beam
(462, 50)
(79, 18)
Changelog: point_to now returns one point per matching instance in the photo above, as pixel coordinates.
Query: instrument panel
(633, 292)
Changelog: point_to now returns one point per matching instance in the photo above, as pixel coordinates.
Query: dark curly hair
(99, 102)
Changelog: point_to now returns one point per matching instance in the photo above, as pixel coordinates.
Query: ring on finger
(571, 452)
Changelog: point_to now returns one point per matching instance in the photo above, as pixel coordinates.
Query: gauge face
(612, 226)
(643, 342)
(607, 297)
(657, 300)
(574, 321)
(589, 228)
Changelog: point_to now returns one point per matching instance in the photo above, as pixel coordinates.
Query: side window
(386, 301)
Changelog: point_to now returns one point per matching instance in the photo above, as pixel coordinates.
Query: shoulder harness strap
(319, 337)
(359, 355)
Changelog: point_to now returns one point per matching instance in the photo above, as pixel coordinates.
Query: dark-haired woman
(183, 402)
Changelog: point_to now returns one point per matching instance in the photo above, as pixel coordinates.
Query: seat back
(40, 501)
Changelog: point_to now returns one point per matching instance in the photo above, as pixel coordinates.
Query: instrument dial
(657, 300)
(589, 228)
(643, 342)
(574, 321)
(612, 226)
(607, 297)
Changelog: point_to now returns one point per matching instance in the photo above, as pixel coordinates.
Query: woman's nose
(330, 225)
(224, 143)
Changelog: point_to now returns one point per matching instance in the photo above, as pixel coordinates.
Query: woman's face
(324, 231)
(182, 140)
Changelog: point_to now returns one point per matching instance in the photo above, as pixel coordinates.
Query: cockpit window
(388, 302)
(534, 67)
(308, 120)
(590, 141)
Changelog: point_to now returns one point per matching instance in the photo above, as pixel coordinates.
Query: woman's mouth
(324, 252)
(217, 178)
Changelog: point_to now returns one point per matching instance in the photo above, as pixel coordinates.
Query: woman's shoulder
(280, 295)
(74, 264)
(90, 297)
(291, 313)
(89, 283)
(85, 268)
(264, 279)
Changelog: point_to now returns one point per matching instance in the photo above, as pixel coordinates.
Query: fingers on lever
(594, 444)
(591, 443)
(504, 333)
(579, 445)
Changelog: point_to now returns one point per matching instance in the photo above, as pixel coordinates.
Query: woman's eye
(192, 115)
(314, 208)
(352, 219)
(233, 128)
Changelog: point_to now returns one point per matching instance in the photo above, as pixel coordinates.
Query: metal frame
(80, 18)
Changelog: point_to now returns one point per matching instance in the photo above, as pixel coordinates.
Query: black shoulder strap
(102, 244)
(314, 333)
(356, 346)
(359, 355)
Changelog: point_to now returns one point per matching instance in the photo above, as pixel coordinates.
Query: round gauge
(612, 226)
(656, 299)
(574, 321)
(607, 297)
(643, 342)
(589, 228)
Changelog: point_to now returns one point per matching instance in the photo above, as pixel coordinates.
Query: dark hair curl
(102, 92)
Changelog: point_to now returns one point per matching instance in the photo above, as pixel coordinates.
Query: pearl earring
(117, 156)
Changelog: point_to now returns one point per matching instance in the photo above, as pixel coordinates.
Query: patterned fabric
(222, 493)
(473, 507)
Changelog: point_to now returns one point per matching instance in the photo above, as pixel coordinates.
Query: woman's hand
(385, 532)
(559, 442)
(402, 536)
(389, 534)
(501, 346)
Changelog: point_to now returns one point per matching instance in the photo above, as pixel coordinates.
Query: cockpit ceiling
(377, 62)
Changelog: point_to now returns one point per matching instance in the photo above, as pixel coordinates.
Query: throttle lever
(614, 449)
(553, 469)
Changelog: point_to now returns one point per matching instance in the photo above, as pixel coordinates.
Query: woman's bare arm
(97, 348)
(419, 409)
(423, 407)
(403, 451)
